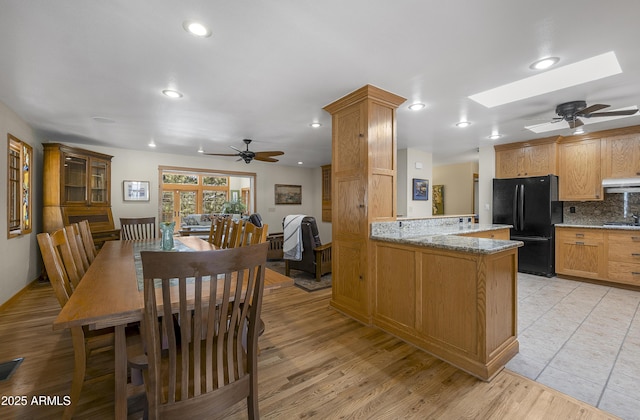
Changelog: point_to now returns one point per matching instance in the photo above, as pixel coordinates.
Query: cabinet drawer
(579, 234)
(624, 272)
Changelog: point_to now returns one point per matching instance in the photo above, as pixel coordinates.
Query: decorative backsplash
(611, 209)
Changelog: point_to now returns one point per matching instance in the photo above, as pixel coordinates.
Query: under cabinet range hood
(621, 185)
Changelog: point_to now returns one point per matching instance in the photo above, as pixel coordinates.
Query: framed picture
(420, 189)
(438, 199)
(288, 194)
(135, 190)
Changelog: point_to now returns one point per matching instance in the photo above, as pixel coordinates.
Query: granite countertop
(614, 227)
(446, 237)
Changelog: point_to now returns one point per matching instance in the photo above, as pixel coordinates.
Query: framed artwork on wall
(438, 199)
(288, 194)
(135, 190)
(420, 189)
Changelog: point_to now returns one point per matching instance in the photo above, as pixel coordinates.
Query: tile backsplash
(611, 209)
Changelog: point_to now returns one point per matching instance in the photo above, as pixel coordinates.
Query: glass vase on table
(166, 230)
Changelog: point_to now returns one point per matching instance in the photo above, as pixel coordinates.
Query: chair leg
(252, 399)
(79, 370)
(287, 270)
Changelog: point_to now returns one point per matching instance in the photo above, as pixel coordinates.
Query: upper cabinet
(77, 186)
(579, 174)
(621, 156)
(532, 158)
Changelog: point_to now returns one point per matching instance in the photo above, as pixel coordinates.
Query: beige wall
(412, 164)
(19, 256)
(458, 186)
(143, 166)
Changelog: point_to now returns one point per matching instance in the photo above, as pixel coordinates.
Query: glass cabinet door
(75, 179)
(99, 183)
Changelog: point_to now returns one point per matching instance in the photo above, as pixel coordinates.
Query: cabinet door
(540, 160)
(74, 179)
(580, 253)
(509, 163)
(579, 175)
(621, 156)
(99, 181)
(326, 193)
(624, 256)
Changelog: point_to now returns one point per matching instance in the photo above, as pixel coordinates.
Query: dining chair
(87, 240)
(58, 263)
(137, 227)
(77, 248)
(213, 363)
(226, 233)
(252, 234)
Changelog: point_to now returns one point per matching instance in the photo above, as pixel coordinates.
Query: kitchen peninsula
(448, 288)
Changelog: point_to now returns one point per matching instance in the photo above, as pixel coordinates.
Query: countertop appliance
(531, 205)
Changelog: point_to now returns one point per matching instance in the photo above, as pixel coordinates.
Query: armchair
(316, 257)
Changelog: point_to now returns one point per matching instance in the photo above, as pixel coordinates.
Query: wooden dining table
(109, 296)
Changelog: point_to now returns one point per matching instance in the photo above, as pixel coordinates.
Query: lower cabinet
(601, 254)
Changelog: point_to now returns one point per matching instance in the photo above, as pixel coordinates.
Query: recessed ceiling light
(174, 94)
(463, 124)
(300, 163)
(417, 106)
(315, 125)
(152, 143)
(200, 150)
(196, 28)
(544, 63)
(495, 136)
(584, 71)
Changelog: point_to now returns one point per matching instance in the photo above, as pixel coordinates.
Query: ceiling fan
(571, 112)
(248, 155)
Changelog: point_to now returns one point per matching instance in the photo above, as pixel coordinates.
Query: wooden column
(363, 190)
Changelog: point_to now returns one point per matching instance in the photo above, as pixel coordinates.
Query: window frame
(19, 187)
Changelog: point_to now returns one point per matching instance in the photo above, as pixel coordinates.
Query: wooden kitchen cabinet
(624, 256)
(621, 156)
(579, 174)
(581, 252)
(525, 159)
(363, 189)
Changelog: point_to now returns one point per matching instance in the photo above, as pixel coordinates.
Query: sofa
(195, 224)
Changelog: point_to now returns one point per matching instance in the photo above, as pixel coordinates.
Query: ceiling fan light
(544, 63)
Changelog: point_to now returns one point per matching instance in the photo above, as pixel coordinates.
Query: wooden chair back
(213, 363)
(87, 240)
(137, 228)
(252, 234)
(226, 233)
(77, 248)
(52, 248)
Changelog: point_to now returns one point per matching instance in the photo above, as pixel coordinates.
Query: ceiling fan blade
(222, 154)
(612, 113)
(592, 108)
(556, 119)
(265, 158)
(236, 149)
(269, 153)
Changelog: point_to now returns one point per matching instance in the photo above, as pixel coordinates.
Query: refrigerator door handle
(514, 212)
(521, 207)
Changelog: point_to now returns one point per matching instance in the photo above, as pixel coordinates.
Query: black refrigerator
(531, 206)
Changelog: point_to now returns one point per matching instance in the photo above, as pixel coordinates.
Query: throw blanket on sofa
(292, 246)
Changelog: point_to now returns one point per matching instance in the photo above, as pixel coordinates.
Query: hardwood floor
(314, 362)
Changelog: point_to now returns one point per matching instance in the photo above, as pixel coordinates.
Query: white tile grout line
(635, 315)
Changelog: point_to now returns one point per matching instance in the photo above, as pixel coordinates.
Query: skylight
(584, 71)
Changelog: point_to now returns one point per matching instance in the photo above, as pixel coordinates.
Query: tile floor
(581, 339)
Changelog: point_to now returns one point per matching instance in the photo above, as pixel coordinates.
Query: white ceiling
(271, 65)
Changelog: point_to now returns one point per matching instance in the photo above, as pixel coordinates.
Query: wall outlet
(572, 209)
